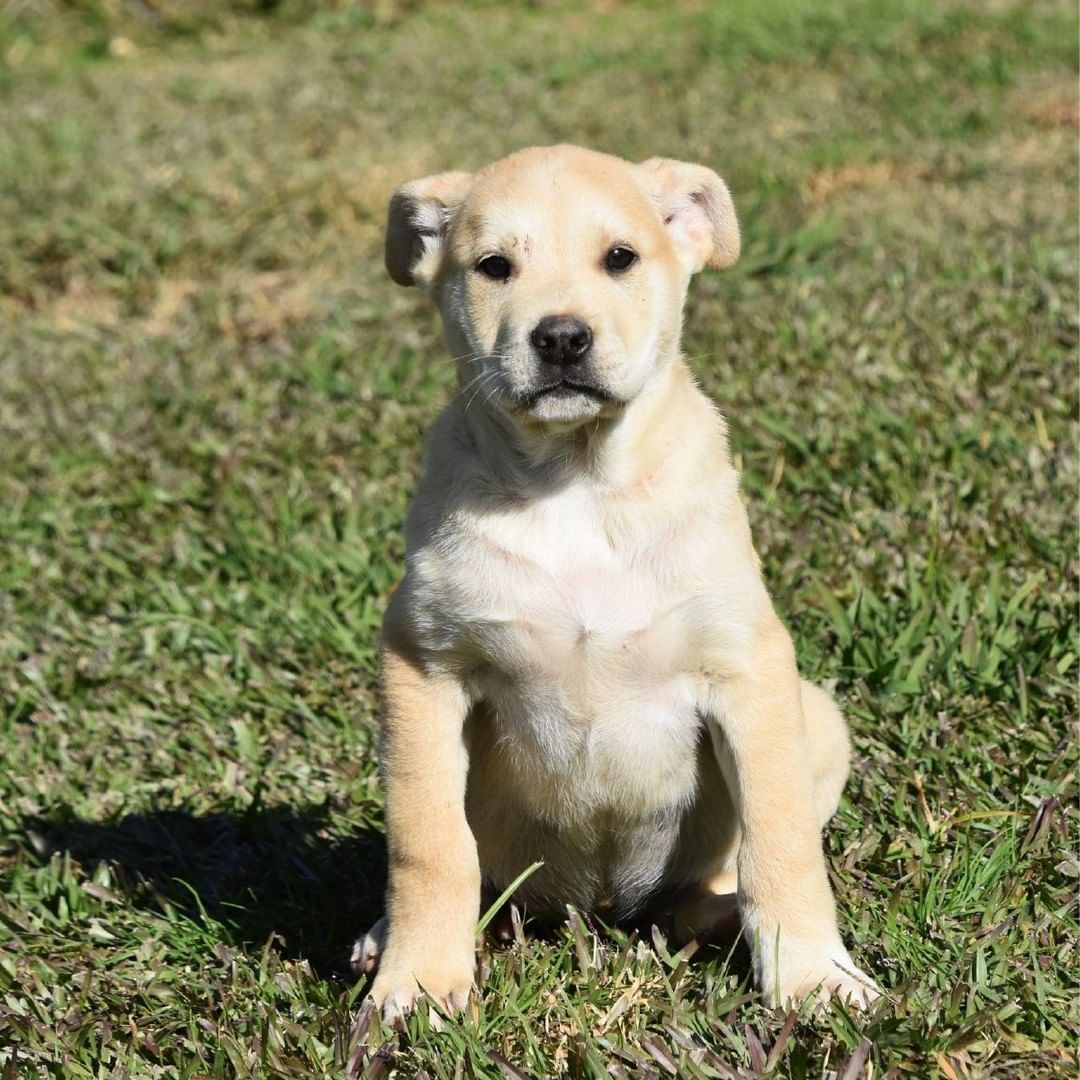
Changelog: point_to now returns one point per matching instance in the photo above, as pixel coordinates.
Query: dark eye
(619, 259)
(495, 267)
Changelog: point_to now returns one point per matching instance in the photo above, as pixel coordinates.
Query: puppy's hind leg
(709, 909)
(367, 952)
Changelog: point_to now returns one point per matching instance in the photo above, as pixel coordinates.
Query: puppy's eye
(619, 259)
(495, 267)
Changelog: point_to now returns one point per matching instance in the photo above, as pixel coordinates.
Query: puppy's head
(561, 273)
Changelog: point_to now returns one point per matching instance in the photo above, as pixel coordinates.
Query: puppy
(582, 665)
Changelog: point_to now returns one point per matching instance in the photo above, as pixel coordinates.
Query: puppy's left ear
(417, 221)
(697, 209)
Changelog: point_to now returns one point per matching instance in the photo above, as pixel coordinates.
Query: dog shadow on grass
(281, 872)
(265, 871)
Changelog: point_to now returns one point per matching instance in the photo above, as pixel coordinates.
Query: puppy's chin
(566, 405)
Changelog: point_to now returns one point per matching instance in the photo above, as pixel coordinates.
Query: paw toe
(397, 1006)
(458, 998)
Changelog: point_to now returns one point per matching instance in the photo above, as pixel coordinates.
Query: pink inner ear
(689, 224)
(697, 230)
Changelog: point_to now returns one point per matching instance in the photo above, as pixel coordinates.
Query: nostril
(580, 341)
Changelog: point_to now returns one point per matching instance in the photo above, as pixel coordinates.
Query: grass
(211, 406)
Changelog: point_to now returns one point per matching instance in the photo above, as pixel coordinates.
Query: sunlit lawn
(211, 407)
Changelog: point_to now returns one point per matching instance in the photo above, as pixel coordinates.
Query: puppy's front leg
(787, 907)
(433, 895)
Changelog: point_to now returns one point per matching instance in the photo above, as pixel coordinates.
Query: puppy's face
(560, 273)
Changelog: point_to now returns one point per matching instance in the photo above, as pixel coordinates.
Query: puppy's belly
(617, 805)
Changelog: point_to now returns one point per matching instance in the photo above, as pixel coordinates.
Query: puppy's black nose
(561, 339)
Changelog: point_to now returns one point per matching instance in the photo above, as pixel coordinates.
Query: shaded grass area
(211, 405)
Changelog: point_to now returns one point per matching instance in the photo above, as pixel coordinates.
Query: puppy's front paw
(397, 991)
(853, 986)
(404, 975)
(804, 970)
(397, 998)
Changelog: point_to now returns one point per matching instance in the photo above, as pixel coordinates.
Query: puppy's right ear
(416, 225)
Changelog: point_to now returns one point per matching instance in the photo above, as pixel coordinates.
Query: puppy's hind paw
(368, 950)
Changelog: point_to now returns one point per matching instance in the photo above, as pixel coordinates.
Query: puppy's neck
(614, 453)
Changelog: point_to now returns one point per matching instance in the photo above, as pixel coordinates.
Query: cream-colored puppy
(582, 665)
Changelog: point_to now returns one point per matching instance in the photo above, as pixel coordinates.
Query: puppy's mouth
(564, 390)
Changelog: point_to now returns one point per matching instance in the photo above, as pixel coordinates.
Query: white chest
(589, 638)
